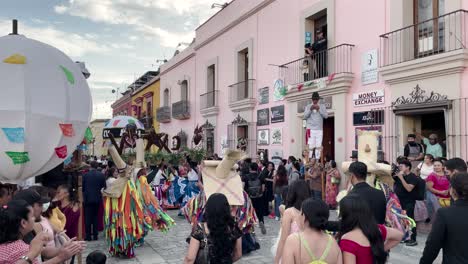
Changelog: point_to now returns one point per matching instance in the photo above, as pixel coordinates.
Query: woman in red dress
(361, 239)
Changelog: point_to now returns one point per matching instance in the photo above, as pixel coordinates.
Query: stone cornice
(340, 84)
(233, 23)
(246, 104)
(210, 111)
(432, 66)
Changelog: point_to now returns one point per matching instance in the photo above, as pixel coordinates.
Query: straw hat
(222, 177)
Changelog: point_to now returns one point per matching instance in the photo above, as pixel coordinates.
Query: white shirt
(192, 175)
(425, 170)
(157, 179)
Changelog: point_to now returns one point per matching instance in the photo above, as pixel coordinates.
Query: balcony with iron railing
(163, 114)
(440, 35)
(241, 95)
(335, 60)
(181, 110)
(209, 103)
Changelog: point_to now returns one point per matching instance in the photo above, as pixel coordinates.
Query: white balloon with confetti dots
(45, 107)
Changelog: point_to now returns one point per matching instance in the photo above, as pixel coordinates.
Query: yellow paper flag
(15, 59)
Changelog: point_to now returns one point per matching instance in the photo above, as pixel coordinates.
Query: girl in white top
(426, 167)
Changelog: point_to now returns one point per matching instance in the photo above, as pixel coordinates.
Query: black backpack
(419, 191)
(254, 186)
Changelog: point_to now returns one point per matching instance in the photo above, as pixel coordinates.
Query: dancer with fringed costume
(131, 210)
(221, 177)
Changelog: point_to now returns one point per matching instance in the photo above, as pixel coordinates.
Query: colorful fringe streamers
(245, 215)
(396, 217)
(129, 218)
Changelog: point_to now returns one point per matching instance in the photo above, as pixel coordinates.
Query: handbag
(444, 202)
(203, 250)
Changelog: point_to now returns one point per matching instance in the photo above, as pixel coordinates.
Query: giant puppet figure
(222, 177)
(314, 113)
(379, 176)
(131, 210)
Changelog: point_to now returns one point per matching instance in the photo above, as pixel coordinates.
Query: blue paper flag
(14, 134)
(68, 160)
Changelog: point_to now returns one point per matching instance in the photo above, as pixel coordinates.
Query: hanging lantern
(45, 107)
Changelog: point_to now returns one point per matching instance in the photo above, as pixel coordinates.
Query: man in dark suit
(449, 231)
(373, 197)
(93, 182)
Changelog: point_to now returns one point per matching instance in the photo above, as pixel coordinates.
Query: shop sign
(277, 114)
(263, 137)
(368, 118)
(327, 100)
(369, 67)
(369, 98)
(276, 156)
(263, 95)
(263, 117)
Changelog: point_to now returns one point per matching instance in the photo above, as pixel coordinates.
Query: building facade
(145, 99)
(398, 69)
(123, 105)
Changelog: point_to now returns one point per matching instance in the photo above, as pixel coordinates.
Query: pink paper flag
(61, 152)
(67, 130)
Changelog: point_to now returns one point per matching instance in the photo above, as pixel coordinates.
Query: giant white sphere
(40, 89)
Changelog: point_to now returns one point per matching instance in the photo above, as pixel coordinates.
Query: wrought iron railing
(241, 90)
(209, 99)
(331, 61)
(434, 36)
(163, 114)
(147, 121)
(181, 110)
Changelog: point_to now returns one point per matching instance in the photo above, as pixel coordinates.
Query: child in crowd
(96, 257)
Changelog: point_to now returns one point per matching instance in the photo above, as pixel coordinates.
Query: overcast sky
(119, 40)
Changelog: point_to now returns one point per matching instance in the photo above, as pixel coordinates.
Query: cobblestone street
(170, 248)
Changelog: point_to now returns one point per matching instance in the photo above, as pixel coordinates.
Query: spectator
(449, 231)
(315, 179)
(289, 164)
(438, 184)
(218, 230)
(280, 182)
(16, 221)
(319, 55)
(70, 207)
(298, 192)
(432, 145)
(361, 239)
(267, 174)
(413, 151)
(426, 167)
(255, 187)
(405, 184)
(294, 175)
(354, 156)
(93, 182)
(96, 257)
(5, 194)
(312, 242)
(455, 165)
(112, 175)
(332, 184)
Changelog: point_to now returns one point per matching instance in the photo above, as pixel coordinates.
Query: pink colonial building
(394, 66)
